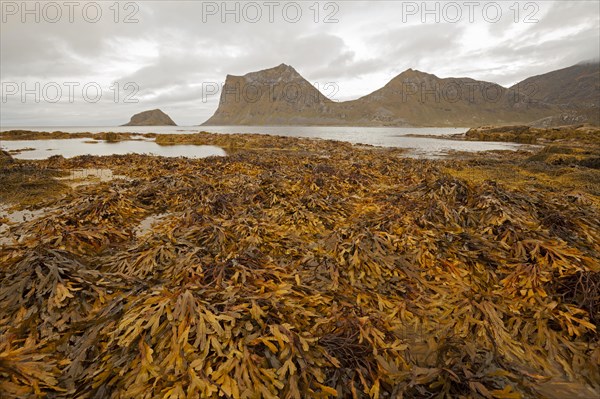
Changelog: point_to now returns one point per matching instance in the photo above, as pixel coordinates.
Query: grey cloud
(369, 45)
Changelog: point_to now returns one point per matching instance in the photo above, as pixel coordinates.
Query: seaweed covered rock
(5, 158)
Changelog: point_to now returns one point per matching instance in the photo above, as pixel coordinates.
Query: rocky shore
(305, 268)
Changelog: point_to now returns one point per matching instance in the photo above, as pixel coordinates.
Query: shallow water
(328, 132)
(146, 224)
(379, 136)
(74, 147)
(10, 217)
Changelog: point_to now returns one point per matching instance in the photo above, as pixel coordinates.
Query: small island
(153, 117)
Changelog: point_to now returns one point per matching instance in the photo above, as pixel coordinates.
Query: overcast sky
(170, 50)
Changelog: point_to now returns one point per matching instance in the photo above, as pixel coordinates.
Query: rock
(153, 117)
(5, 158)
(563, 119)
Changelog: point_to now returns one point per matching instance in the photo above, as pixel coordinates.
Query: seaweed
(311, 269)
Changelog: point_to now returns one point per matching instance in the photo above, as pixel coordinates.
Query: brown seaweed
(314, 269)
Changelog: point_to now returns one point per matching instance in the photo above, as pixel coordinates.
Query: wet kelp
(576, 134)
(316, 270)
(27, 185)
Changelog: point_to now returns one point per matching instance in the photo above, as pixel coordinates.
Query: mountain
(575, 89)
(275, 96)
(423, 99)
(153, 117)
(281, 96)
(573, 86)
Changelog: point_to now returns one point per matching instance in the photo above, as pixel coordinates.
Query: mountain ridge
(412, 98)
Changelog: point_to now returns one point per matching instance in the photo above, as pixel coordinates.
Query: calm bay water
(379, 136)
(73, 147)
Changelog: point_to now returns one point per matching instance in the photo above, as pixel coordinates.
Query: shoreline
(326, 256)
(417, 146)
